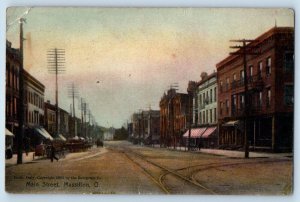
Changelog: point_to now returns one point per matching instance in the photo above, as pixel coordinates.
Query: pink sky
(135, 53)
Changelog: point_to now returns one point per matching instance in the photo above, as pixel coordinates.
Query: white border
(148, 3)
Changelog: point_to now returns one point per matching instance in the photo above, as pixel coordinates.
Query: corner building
(270, 77)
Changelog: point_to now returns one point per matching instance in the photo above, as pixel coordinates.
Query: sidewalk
(241, 154)
(76, 156)
(233, 153)
(25, 158)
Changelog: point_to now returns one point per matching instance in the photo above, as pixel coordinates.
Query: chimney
(203, 75)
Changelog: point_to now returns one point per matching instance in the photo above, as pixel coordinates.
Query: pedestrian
(53, 153)
(199, 145)
(27, 144)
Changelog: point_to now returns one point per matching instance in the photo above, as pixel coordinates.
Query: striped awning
(60, 136)
(8, 133)
(195, 132)
(44, 133)
(208, 132)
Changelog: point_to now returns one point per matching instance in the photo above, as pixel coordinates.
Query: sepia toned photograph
(149, 101)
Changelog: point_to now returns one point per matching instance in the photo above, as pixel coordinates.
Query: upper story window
(221, 108)
(242, 101)
(227, 106)
(242, 77)
(289, 62)
(227, 83)
(268, 66)
(260, 65)
(221, 86)
(260, 99)
(215, 94)
(211, 96)
(215, 114)
(251, 71)
(268, 103)
(200, 100)
(233, 81)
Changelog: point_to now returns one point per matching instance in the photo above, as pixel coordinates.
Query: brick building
(12, 87)
(270, 76)
(174, 116)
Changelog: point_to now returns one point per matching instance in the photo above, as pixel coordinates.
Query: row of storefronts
(40, 121)
(213, 111)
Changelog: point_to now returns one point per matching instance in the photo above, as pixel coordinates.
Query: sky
(122, 60)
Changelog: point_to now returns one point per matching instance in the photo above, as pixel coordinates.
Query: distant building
(145, 127)
(109, 134)
(50, 118)
(174, 116)
(270, 76)
(64, 123)
(134, 136)
(153, 128)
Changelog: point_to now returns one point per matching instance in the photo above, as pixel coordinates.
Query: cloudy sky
(124, 59)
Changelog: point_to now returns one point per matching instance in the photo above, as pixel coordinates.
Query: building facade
(270, 78)
(50, 118)
(12, 87)
(145, 127)
(204, 129)
(109, 134)
(64, 123)
(205, 101)
(34, 92)
(174, 116)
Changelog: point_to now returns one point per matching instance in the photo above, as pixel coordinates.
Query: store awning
(8, 133)
(208, 132)
(195, 132)
(44, 133)
(231, 123)
(60, 136)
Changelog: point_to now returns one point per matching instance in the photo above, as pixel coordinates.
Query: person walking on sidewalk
(27, 144)
(52, 155)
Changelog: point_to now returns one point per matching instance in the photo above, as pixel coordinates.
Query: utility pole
(81, 108)
(244, 50)
(190, 124)
(56, 61)
(20, 135)
(73, 93)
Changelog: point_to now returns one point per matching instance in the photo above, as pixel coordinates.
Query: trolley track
(188, 179)
(135, 157)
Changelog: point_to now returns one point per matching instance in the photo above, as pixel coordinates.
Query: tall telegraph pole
(56, 61)
(73, 93)
(244, 50)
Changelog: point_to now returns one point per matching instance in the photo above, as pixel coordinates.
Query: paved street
(123, 168)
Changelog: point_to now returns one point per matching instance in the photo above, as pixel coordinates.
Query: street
(122, 168)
